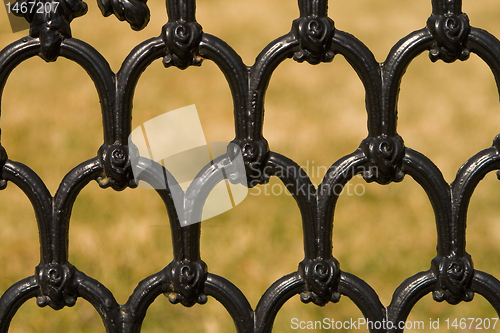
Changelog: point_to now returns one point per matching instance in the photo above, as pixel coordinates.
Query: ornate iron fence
(382, 157)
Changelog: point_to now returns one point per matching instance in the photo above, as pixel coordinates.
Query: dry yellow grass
(314, 114)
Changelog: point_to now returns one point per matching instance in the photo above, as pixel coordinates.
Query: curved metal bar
(393, 69)
(233, 301)
(201, 187)
(338, 175)
(134, 311)
(363, 62)
(365, 298)
(138, 303)
(102, 299)
(41, 200)
(407, 295)
(185, 239)
(194, 201)
(297, 182)
(14, 54)
(274, 298)
(101, 74)
(487, 286)
(236, 73)
(152, 176)
(469, 175)
(430, 178)
(64, 199)
(260, 75)
(486, 46)
(126, 80)
(81, 53)
(319, 279)
(13, 298)
(290, 285)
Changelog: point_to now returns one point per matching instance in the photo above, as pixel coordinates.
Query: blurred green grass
(314, 114)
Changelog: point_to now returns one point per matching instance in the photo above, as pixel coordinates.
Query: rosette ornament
(52, 23)
(255, 155)
(322, 279)
(450, 33)
(117, 168)
(57, 285)
(385, 155)
(187, 281)
(181, 39)
(315, 35)
(454, 278)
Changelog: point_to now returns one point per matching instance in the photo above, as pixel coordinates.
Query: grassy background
(314, 114)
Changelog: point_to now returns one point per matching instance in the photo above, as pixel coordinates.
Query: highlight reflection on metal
(381, 157)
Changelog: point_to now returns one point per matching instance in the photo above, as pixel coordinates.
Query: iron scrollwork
(385, 156)
(450, 28)
(382, 157)
(315, 36)
(322, 279)
(454, 279)
(52, 26)
(181, 39)
(57, 285)
(135, 12)
(187, 280)
(117, 169)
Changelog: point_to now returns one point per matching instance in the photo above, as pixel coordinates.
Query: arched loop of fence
(382, 157)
